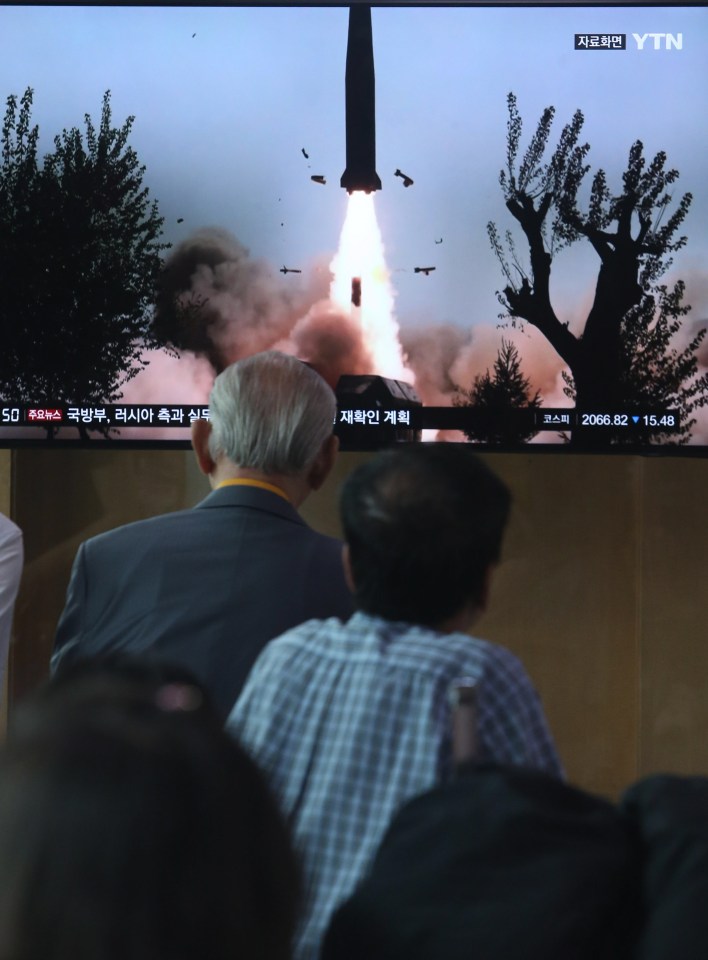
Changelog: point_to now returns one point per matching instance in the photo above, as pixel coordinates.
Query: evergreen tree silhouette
(498, 399)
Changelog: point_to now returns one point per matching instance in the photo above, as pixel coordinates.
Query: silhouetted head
(424, 525)
(133, 828)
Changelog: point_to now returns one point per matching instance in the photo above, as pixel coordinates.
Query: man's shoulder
(261, 510)
(144, 529)
(421, 650)
(313, 636)
(208, 513)
(495, 654)
(431, 649)
(370, 640)
(293, 657)
(288, 663)
(495, 663)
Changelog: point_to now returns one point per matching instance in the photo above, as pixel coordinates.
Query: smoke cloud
(330, 341)
(431, 353)
(216, 301)
(219, 303)
(447, 358)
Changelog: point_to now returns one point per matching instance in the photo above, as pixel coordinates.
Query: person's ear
(323, 463)
(347, 564)
(201, 431)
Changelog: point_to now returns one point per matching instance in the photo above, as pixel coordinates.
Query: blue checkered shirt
(350, 720)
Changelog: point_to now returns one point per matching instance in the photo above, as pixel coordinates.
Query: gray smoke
(218, 302)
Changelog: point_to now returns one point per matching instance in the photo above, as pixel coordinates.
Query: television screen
(481, 223)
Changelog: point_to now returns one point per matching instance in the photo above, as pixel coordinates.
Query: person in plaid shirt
(350, 720)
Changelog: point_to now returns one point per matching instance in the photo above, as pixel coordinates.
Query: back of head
(270, 412)
(424, 523)
(133, 828)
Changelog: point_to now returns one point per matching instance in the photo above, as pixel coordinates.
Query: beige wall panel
(674, 731)
(564, 600)
(322, 509)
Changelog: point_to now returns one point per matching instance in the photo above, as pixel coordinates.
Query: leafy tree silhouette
(498, 399)
(625, 358)
(80, 255)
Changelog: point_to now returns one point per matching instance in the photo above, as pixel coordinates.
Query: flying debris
(356, 291)
(318, 178)
(305, 154)
(360, 104)
(425, 270)
(439, 241)
(407, 182)
(289, 270)
(180, 219)
(193, 36)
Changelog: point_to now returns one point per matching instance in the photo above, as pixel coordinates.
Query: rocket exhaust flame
(361, 257)
(361, 285)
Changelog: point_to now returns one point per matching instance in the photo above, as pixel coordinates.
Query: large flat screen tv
(480, 222)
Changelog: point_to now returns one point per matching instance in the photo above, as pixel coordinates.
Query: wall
(674, 651)
(599, 590)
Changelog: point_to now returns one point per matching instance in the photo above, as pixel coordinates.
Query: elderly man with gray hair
(207, 588)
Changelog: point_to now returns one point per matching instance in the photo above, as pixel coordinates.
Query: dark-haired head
(98, 681)
(424, 525)
(132, 826)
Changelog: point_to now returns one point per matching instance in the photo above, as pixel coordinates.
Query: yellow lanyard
(262, 484)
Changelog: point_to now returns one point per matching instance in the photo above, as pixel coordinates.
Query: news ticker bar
(100, 417)
(115, 416)
(547, 418)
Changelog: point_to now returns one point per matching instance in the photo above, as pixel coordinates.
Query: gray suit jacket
(204, 588)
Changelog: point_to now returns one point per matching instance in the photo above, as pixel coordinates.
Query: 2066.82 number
(604, 419)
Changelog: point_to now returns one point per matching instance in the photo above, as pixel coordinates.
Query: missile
(360, 104)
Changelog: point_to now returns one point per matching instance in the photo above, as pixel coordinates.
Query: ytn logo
(658, 41)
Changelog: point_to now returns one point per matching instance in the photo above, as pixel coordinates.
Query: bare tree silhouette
(625, 358)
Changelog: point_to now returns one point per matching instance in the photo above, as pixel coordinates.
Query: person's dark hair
(132, 827)
(117, 675)
(423, 523)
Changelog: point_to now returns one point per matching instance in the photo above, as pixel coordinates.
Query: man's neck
(460, 622)
(294, 488)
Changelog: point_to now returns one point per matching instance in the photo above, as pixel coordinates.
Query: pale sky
(226, 98)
